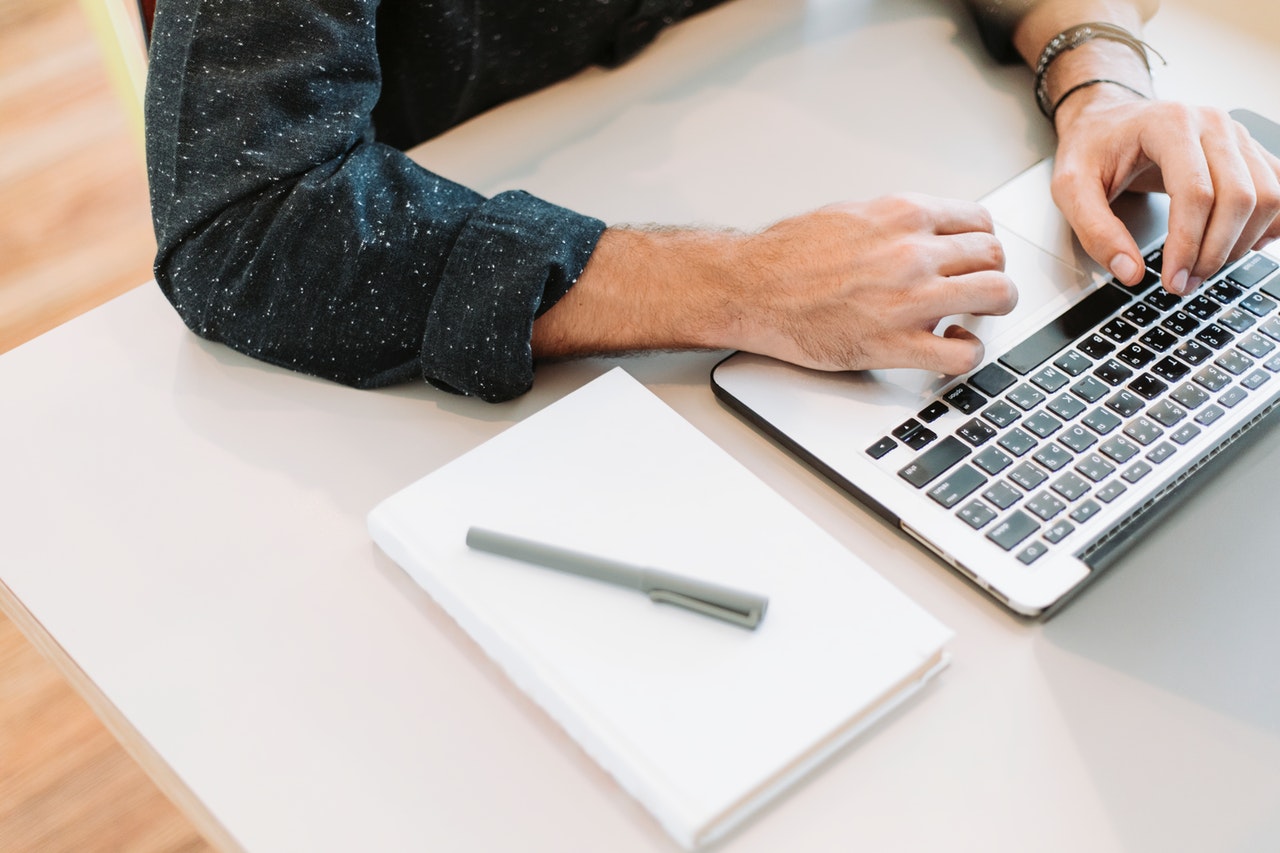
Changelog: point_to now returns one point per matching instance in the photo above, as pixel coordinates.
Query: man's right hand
(851, 286)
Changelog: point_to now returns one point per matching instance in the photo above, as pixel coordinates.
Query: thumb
(1087, 209)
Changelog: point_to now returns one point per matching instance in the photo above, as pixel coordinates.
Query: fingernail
(1124, 268)
(1192, 283)
(1178, 284)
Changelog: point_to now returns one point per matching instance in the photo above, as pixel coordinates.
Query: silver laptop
(1096, 402)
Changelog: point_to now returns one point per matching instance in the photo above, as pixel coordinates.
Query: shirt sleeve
(286, 231)
(997, 20)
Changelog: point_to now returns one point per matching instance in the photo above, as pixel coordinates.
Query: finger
(1082, 198)
(951, 216)
(1264, 169)
(1234, 199)
(1180, 156)
(972, 251)
(956, 351)
(980, 293)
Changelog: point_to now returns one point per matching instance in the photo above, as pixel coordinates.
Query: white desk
(184, 527)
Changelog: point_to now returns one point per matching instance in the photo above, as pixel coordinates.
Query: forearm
(1096, 59)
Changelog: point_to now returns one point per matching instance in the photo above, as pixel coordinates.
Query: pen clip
(748, 618)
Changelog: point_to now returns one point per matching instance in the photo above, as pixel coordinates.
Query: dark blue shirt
(290, 225)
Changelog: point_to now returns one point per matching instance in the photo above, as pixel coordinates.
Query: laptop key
(1136, 472)
(1053, 457)
(1112, 372)
(1212, 378)
(1119, 330)
(1119, 448)
(1271, 328)
(1160, 452)
(1193, 353)
(1143, 430)
(1071, 486)
(1189, 395)
(1016, 442)
(1166, 413)
(1258, 305)
(1111, 491)
(1162, 299)
(1215, 336)
(935, 461)
(919, 438)
(1050, 380)
(933, 411)
(1002, 495)
(1084, 511)
(1225, 292)
(1078, 439)
(1170, 368)
(1159, 339)
(1095, 467)
(1065, 406)
(1255, 380)
(881, 447)
(1089, 389)
(1072, 363)
(1256, 345)
(976, 514)
(1252, 270)
(1236, 320)
(1025, 397)
(1185, 433)
(1233, 361)
(960, 483)
(1101, 421)
(1044, 505)
(1054, 336)
(1012, 530)
(1201, 307)
(1028, 476)
(1042, 424)
(992, 460)
(1001, 413)
(1148, 386)
(1096, 346)
(1209, 415)
(992, 379)
(1180, 323)
(965, 399)
(1033, 552)
(1135, 355)
(976, 432)
(1058, 531)
(1141, 314)
(1232, 397)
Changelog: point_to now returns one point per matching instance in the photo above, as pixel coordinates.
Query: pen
(740, 608)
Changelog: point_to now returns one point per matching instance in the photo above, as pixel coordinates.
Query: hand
(1224, 187)
(864, 285)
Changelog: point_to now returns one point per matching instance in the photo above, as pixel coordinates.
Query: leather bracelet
(1053, 111)
(1073, 37)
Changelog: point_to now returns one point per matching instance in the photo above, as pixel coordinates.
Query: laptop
(1095, 404)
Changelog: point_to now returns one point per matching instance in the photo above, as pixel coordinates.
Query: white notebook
(700, 720)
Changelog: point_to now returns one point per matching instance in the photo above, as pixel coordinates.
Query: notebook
(1096, 404)
(700, 720)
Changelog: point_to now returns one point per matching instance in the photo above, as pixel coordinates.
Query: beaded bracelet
(1070, 39)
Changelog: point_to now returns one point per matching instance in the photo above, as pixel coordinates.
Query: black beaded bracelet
(1071, 38)
(1053, 111)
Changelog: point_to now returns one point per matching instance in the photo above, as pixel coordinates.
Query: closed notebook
(700, 720)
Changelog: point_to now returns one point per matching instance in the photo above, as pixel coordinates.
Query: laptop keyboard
(1092, 403)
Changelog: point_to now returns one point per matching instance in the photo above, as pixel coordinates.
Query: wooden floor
(74, 231)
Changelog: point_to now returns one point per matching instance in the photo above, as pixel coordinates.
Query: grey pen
(740, 608)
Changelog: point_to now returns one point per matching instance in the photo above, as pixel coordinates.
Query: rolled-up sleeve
(288, 232)
(997, 19)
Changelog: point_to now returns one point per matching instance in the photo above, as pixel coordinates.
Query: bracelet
(1069, 40)
(1053, 111)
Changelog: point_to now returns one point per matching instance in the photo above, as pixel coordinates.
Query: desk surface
(184, 527)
